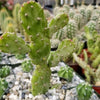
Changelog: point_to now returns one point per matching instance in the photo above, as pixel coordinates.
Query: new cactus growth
(27, 66)
(4, 71)
(66, 72)
(72, 28)
(35, 25)
(84, 91)
(3, 86)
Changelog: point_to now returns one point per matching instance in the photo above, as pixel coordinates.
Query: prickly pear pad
(33, 19)
(40, 50)
(10, 43)
(57, 23)
(41, 80)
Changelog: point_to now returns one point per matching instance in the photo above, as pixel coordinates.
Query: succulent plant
(60, 35)
(18, 56)
(95, 17)
(8, 21)
(16, 10)
(27, 66)
(71, 14)
(66, 72)
(54, 43)
(4, 71)
(78, 19)
(3, 15)
(84, 91)
(84, 15)
(90, 73)
(35, 25)
(10, 28)
(91, 25)
(72, 29)
(3, 86)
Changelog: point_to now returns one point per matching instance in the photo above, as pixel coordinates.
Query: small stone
(30, 96)
(16, 83)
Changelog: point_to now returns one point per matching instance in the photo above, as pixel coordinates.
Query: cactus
(90, 73)
(78, 19)
(8, 41)
(35, 25)
(54, 43)
(10, 28)
(16, 10)
(62, 19)
(47, 13)
(27, 66)
(84, 15)
(7, 21)
(71, 29)
(3, 15)
(66, 72)
(63, 53)
(3, 86)
(60, 35)
(18, 56)
(91, 25)
(89, 12)
(95, 17)
(4, 71)
(71, 14)
(84, 91)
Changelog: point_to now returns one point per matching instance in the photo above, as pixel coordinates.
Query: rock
(39, 97)
(30, 96)
(13, 97)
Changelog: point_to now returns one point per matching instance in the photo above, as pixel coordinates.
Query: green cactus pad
(66, 72)
(62, 19)
(10, 43)
(63, 53)
(65, 49)
(33, 19)
(41, 80)
(40, 50)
